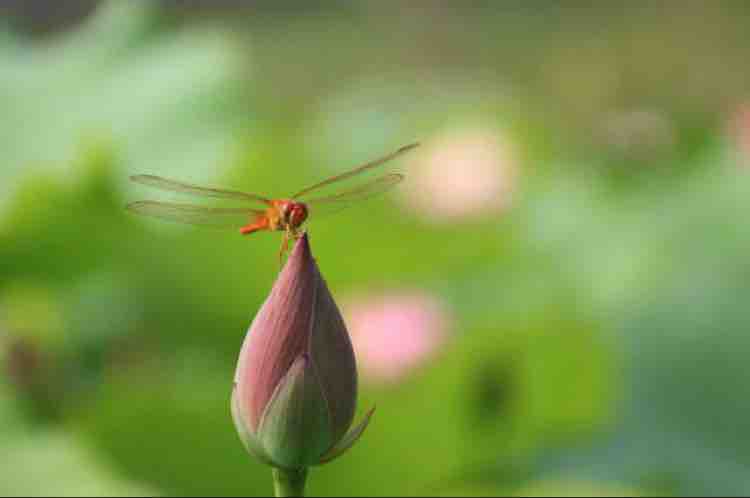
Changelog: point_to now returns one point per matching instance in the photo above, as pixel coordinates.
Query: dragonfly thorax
(286, 214)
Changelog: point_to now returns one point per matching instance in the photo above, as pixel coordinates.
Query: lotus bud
(295, 388)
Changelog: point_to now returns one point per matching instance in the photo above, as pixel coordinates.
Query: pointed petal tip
(301, 251)
(300, 258)
(304, 242)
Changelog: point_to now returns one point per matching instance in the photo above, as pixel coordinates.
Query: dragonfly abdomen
(259, 224)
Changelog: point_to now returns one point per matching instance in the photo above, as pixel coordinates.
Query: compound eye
(298, 215)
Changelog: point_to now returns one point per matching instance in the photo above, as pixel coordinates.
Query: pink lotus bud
(295, 387)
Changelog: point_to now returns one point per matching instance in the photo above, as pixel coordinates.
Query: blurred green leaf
(167, 98)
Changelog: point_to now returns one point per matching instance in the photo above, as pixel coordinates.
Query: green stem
(289, 482)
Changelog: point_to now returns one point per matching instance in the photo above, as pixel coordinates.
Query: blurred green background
(555, 301)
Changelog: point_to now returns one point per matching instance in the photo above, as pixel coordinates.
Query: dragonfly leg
(284, 247)
(289, 234)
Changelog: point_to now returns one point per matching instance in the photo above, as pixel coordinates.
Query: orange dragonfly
(286, 215)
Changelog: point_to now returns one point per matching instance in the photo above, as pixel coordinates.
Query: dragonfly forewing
(195, 190)
(196, 215)
(354, 172)
(336, 202)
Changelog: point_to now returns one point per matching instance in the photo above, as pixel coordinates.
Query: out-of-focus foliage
(597, 315)
(169, 96)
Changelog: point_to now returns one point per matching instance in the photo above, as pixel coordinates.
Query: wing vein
(356, 171)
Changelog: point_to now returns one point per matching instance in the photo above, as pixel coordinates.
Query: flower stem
(289, 482)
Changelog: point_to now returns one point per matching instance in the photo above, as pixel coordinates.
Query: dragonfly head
(293, 213)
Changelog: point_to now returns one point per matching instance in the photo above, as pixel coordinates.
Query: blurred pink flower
(464, 173)
(395, 333)
(739, 132)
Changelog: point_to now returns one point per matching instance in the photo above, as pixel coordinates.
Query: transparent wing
(187, 188)
(356, 171)
(336, 202)
(196, 215)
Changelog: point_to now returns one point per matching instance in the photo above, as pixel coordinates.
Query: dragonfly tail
(259, 224)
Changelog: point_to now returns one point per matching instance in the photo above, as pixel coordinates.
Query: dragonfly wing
(187, 188)
(344, 199)
(196, 215)
(356, 171)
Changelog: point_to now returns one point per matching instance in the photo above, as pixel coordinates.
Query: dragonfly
(263, 213)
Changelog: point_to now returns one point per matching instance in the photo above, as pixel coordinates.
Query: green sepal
(251, 443)
(347, 441)
(295, 428)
